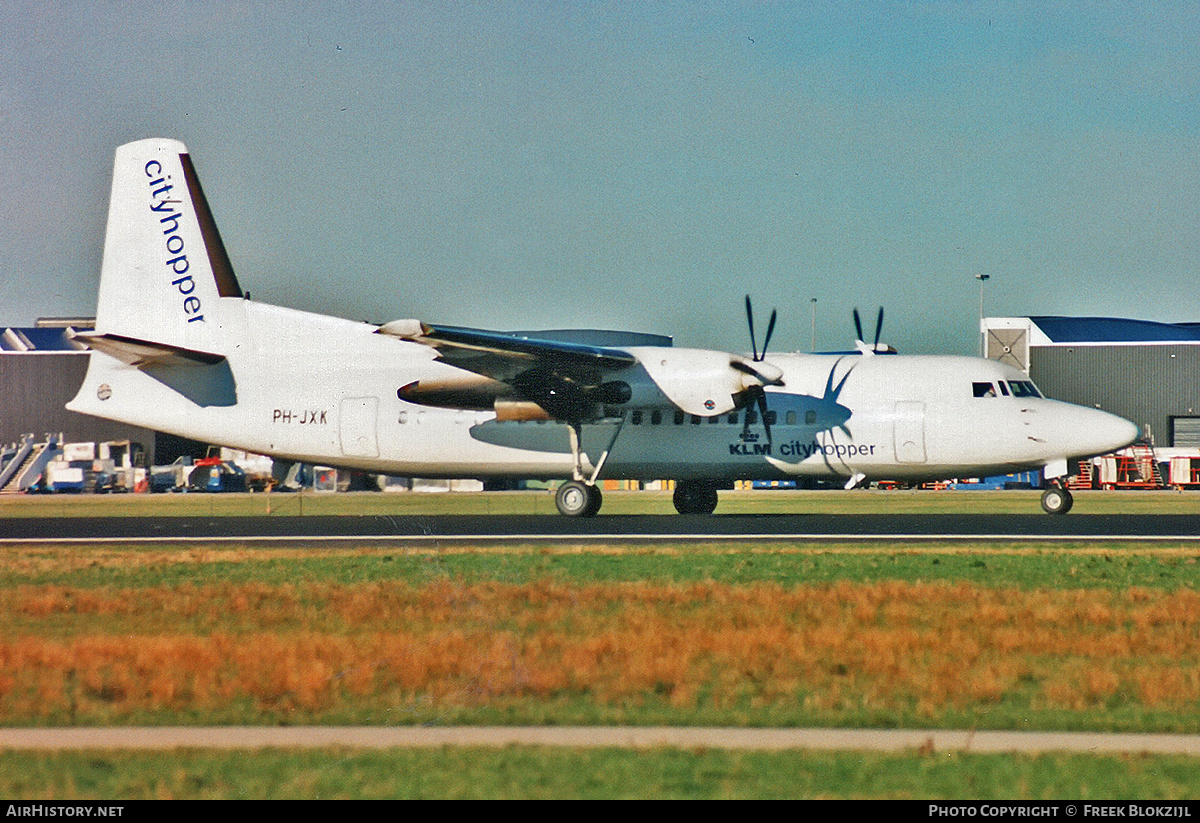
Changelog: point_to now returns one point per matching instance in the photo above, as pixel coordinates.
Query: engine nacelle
(697, 381)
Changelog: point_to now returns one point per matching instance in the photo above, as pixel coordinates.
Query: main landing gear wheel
(1056, 500)
(578, 499)
(695, 498)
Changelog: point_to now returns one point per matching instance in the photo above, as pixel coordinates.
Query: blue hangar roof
(24, 340)
(1115, 330)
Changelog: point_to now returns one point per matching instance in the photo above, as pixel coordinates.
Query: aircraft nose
(1101, 433)
(1079, 431)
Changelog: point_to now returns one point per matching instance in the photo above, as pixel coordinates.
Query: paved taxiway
(381, 737)
(410, 528)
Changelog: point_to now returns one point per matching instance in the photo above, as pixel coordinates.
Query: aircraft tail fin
(165, 268)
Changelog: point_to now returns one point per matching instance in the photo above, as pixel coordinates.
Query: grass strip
(888, 653)
(1110, 565)
(546, 773)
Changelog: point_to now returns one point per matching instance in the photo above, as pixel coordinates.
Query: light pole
(982, 278)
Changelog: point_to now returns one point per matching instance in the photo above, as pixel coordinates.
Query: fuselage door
(909, 431)
(356, 426)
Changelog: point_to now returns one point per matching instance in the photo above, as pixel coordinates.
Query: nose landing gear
(1057, 500)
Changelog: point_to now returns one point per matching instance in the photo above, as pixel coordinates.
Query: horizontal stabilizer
(142, 353)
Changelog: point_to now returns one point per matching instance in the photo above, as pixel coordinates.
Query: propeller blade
(762, 410)
(757, 355)
(772, 377)
(756, 397)
(751, 397)
(858, 326)
(878, 329)
(738, 364)
(750, 323)
(770, 331)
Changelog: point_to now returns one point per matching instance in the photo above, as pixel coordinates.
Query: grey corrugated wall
(34, 388)
(1144, 384)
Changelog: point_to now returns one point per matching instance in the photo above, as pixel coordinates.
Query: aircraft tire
(695, 498)
(595, 500)
(1057, 500)
(576, 499)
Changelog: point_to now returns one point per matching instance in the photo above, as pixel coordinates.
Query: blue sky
(628, 165)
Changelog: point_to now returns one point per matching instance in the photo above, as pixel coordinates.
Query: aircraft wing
(574, 380)
(565, 379)
(502, 355)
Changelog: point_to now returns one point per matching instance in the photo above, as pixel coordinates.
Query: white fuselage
(323, 390)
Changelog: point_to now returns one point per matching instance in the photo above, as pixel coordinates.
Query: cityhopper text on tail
(179, 347)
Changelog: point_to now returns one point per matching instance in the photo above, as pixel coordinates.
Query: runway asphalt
(625, 527)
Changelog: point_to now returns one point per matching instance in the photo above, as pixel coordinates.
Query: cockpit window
(1015, 388)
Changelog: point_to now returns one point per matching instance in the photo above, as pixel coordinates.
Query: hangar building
(41, 369)
(1146, 372)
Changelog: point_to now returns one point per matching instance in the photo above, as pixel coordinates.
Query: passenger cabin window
(655, 417)
(790, 417)
(636, 417)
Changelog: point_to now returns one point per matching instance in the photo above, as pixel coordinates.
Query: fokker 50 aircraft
(180, 348)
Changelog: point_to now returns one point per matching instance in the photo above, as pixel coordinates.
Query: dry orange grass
(803, 651)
